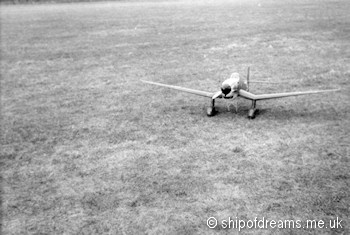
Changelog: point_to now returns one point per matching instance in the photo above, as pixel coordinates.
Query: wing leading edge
(192, 91)
(242, 93)
(250, 96)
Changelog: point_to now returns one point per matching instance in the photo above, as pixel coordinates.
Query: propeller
(234, 96)
(219, 94)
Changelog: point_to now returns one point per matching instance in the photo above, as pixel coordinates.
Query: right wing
(192, 91)
(251, 96)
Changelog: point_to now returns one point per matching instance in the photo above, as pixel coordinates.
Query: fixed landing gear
(211, 109)
(253, 111)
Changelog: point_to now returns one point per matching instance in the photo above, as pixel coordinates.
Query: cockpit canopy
(235, 76)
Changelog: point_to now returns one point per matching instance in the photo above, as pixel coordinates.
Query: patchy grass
(86, 148)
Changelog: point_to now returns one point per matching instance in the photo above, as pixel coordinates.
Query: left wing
(192, 91)
(251, 96)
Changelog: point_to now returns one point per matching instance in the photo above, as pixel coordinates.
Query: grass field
(88, 149)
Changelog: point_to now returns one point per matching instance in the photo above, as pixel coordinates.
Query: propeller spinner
(226, 89)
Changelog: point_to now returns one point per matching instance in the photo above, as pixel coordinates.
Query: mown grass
(88, 149)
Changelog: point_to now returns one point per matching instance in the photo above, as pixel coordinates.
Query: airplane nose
(226, 89)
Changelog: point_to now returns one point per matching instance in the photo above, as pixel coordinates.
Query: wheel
(256, 112)
(252, 113)
(210, 111)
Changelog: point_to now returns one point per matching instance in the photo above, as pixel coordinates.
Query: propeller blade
(235, 95)
(217, 95)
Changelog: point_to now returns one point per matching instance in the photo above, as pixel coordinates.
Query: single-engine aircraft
(236, 87)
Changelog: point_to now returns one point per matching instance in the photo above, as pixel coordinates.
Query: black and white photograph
(175, 117)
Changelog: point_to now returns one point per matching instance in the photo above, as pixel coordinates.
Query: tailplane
(248, 80)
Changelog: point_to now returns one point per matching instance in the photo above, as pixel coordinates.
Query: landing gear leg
(253, 111)
(211, 109)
